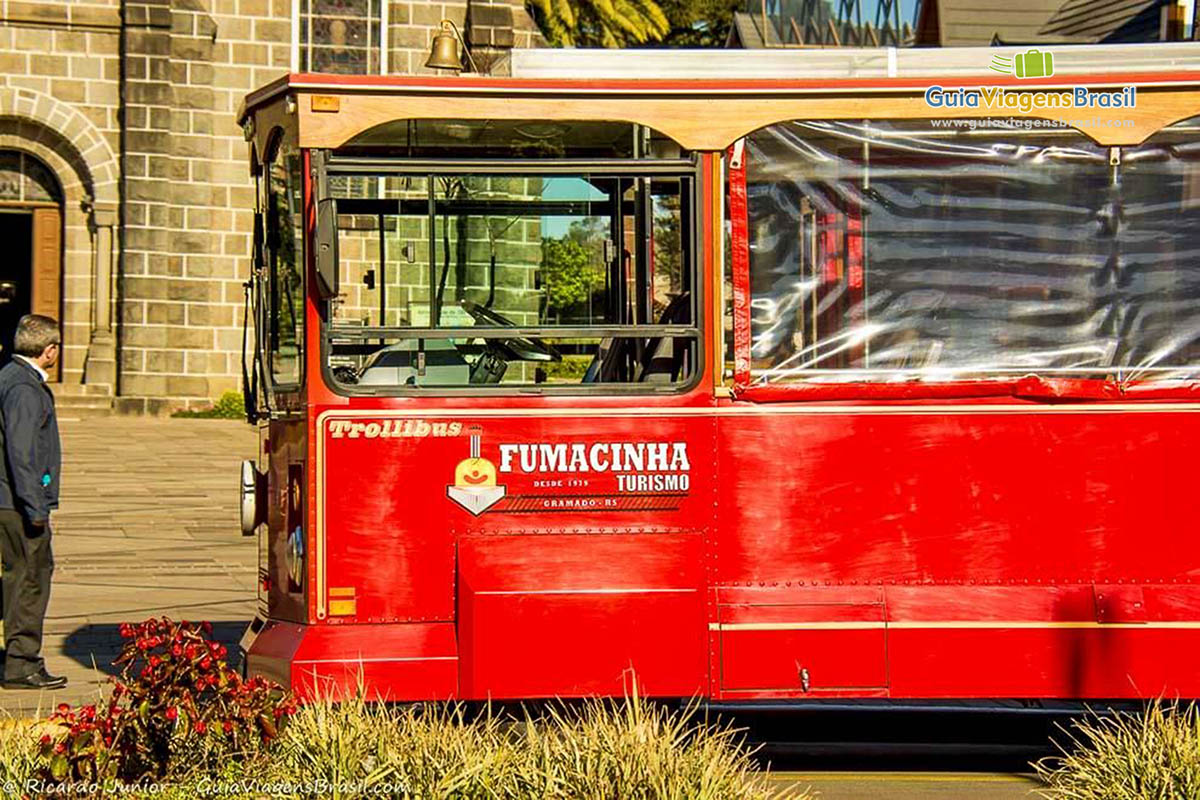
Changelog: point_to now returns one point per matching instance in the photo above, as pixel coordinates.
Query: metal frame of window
(688, 170)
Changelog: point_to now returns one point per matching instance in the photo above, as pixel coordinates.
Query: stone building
(125, 197)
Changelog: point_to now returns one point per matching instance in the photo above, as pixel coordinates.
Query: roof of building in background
(748, 32)
(965, 23)
(816, 23)
(1107, 20)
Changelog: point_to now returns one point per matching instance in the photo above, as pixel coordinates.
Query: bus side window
(285, 249)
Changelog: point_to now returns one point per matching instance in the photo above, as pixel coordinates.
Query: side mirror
(327, 248)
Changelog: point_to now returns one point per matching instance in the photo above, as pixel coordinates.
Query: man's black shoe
(38, 680)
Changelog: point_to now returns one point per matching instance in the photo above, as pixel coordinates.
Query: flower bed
(180, 723)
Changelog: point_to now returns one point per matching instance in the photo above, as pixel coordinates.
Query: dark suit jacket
(32, 451)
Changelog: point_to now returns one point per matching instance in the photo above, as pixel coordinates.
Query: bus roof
(833, 63)
(797, 83)
(715, 68)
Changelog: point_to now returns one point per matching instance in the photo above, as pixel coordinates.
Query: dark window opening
(285, 263)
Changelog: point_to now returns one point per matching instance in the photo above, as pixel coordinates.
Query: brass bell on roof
(444, 53)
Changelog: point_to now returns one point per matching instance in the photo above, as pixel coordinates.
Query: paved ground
(148, 526)
(910, 785)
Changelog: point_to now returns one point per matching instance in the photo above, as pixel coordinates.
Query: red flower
(155, 661)
(177, 651)
(46, 738)
(227, 726)
(200, 726)
(205, 662)
(63, 708)
(172, 713)
(207, 626)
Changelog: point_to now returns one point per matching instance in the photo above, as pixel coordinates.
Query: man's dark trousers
(28, 565)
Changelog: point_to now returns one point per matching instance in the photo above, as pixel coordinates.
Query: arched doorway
(31, 230)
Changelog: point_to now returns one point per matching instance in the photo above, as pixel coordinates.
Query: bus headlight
(254, 492)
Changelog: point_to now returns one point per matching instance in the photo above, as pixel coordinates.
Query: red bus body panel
(906, 552)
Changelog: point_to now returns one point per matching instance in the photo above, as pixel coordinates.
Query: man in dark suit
(28, 492)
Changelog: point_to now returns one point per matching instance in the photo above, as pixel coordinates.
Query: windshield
(493, 279)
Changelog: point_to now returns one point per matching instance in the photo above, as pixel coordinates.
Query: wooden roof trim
(704, 124)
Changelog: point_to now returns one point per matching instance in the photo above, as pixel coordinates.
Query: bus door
(520, 345)
(782, 628)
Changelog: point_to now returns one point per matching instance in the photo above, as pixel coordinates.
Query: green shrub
(570, 370)
(1150, 756)
(178, 708)
(229, 406)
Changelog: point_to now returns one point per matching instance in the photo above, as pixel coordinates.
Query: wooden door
(47, 269)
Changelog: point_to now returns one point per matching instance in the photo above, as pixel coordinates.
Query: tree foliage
(699, 23)
(629, 23)
(569, 273)
(600, 23)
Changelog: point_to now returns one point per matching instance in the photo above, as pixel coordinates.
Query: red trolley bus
(791, 375)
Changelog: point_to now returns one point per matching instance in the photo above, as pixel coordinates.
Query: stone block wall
(157, 196)
(491, 28)
(190, 198)
(59, 95)
(406, 279)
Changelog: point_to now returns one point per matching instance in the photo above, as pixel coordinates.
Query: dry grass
(1150, 756)
(19, 748)
(600, 750)
(629, 749)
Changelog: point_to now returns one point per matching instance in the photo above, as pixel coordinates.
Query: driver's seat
(662, 357)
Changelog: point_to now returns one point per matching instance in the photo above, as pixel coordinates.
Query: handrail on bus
(544, 332)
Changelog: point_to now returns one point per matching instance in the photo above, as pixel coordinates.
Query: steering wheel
(519, 347)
